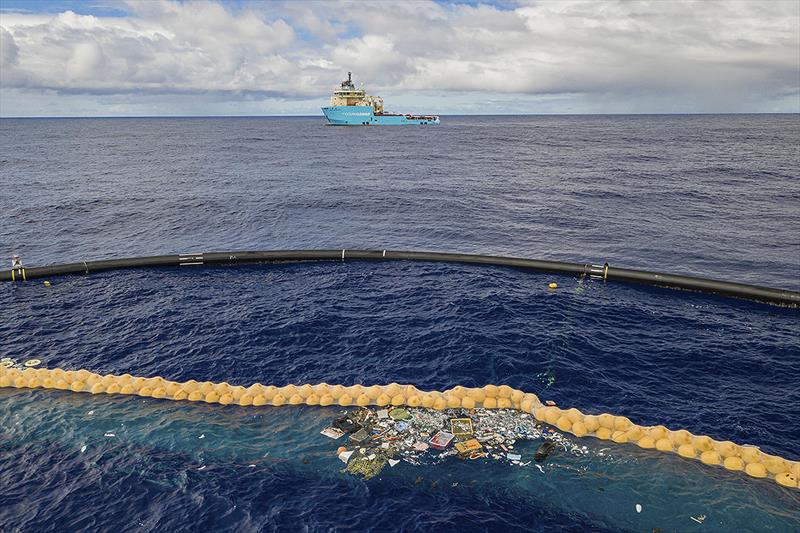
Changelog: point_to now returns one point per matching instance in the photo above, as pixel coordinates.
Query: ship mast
(347, 85)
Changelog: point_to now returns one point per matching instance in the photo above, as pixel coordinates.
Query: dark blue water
(708, 195)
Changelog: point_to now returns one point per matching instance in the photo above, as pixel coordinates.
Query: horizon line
(14, 117)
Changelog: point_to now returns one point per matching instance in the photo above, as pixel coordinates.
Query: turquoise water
(136, 448)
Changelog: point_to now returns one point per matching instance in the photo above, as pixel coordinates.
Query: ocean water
(715, 196)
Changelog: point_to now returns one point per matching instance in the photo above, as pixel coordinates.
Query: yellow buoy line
(618, 429)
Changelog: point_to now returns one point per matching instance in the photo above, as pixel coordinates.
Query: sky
(162, 57)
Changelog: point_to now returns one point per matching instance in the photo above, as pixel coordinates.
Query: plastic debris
(359, 436)
(400, 414)
(346, 424)
(332, 432)
(32, 362)
(638, 508)
(441, 440)
(548, 378)
(83, 448)
(461, 427)
(699, 518)
(425, 437)
(202, 436)
(467, 448)
(366, 467)
(544, 450)
(109, 435)
(345, 456)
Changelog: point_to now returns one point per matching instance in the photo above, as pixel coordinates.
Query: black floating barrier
(769, 295)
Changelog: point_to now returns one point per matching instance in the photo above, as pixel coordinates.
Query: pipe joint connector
(598, 271)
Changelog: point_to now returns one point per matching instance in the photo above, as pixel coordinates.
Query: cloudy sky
(161, 57)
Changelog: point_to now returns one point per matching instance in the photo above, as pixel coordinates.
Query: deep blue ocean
(711, 195)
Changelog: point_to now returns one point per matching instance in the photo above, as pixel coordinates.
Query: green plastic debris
(548, 378)
(400, 414)
(367, 466)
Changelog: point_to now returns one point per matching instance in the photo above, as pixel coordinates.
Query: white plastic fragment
(332, 432)
(109, 435)
(83, 448)
(638, 508)
(393, 462)
(202, 436)
(345, 456)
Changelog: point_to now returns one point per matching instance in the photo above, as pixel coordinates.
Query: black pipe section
(769, 295)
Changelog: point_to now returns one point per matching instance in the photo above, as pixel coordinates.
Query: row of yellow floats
(618, 429)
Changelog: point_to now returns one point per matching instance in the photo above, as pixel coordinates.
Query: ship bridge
(348, 95)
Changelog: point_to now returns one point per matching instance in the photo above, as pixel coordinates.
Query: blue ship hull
(364, 115)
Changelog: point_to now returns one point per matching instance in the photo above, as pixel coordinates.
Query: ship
(354, 107)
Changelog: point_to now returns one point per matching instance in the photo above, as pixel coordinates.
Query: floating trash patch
(619, 429)
(377, 438)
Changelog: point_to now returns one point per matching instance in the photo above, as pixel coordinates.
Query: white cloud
(375, 56)
(8, 49)
(162, 47)
(679, 55)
